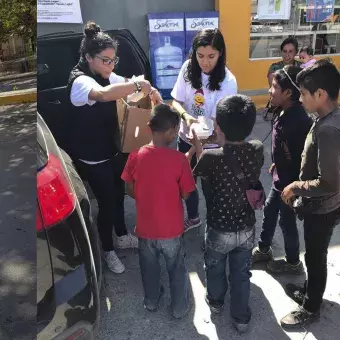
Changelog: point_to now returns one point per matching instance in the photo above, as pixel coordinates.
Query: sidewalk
(123, 316)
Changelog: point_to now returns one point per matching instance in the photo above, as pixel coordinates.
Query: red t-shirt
(159, 176)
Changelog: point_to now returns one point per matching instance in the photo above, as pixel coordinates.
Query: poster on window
(274, 9)
(59, 11)
(319, 10)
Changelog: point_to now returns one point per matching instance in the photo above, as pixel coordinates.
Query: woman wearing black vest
(93, 90)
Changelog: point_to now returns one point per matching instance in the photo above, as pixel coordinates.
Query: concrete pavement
(17, 222)
(123, 316)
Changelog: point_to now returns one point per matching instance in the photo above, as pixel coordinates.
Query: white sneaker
(113, 262)
(127, 241)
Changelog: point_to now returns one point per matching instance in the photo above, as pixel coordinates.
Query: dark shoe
(241, 327)
(259, 256)
(181, 316)
(283, 267)
(296, 293)
(299, 318)
(154, 308)
(215, 308)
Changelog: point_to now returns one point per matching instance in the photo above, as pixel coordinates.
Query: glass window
(323, 36)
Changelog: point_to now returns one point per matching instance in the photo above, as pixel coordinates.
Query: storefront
(253, 43)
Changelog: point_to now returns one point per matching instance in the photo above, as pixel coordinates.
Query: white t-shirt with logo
(80, 90)
(200, 102)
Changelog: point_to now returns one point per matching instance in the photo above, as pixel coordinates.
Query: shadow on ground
(17, 221)
(123, 316)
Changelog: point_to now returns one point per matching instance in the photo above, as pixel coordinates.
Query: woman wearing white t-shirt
(93, 89)
(202, 82)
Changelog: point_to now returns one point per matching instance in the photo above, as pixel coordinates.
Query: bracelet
(182, 114)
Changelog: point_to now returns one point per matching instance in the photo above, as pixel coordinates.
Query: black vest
(95, 129)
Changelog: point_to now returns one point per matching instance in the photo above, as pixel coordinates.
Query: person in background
(93, 89)
(158, 177)
(319, 184)
(290, 129)
(202, 82)
(289, 50)
(306, 55)
(230, 234)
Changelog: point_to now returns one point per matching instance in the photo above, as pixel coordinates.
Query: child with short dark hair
(318, 187)
(158, 177)
(306, 55)
(231, 220)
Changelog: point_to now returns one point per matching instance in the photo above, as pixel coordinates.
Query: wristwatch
(138, 86)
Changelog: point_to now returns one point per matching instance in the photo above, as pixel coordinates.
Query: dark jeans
(273, 206)
(193, 201)
(173, 252)
(109, 190)
(238, 247)
(318, 230)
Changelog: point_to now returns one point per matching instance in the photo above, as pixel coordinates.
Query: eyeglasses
(108, 61)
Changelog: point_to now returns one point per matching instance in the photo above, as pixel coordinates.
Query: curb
(18, 76)
(18, 97)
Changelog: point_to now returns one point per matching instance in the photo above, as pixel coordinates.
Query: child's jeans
(173, 252)
(238, 247)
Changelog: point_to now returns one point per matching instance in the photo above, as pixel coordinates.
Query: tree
(18, 17)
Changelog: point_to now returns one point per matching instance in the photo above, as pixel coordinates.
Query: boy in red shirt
(158, 177)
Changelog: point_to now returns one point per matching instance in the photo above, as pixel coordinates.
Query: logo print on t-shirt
(198, 105)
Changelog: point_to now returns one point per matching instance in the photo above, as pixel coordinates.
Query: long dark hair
(213, 38)
(95, 41)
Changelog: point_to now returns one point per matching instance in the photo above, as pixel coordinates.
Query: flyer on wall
(319, 10)
(274, 9)
(59, 11)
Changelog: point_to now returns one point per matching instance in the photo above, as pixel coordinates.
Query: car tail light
(55, 195)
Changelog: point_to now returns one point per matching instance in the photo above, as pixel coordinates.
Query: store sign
(59, 11)
(319, 10)
(274, 9)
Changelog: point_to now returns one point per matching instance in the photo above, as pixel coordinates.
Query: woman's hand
(155, 97)
(189, 120)
(146, 86)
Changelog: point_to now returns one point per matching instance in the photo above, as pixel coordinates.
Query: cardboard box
(133, 119)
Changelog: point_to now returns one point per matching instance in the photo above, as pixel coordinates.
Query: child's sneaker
(113, 262)
(284, 267)
(260, 256)
(150, 308)
(127, 241)
(296, 293)
(191, 223)
(241, 327)
(215, 308)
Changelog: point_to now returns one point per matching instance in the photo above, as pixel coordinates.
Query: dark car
(68, 252)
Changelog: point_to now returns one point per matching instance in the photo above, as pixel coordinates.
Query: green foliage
(18, 17)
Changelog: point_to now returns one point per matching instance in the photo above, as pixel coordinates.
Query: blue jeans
(193, 201)
(273, 206)
(238, 247)
(173, 252)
